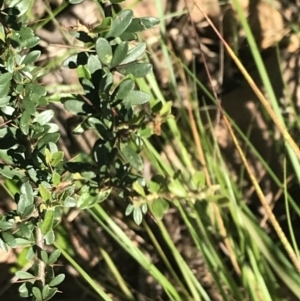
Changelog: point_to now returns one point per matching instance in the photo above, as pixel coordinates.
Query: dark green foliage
(43, 179)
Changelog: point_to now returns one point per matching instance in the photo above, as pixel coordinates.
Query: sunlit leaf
(47, 223)
(137, 215)
(159, 207)
(141, 24)
(119, 54)
(104, 51)
(24, 275)
(177, 189)
(120, 23)
(137, 69)
(134, 53)
(57, 280)
(136, 98)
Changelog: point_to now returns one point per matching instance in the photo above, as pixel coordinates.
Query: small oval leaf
(136, 98)
(135, 53)
(120, 23)
(54, 256)
(57, 280)
(48, 222)
(137, 215)
(159, 207)
(137, 70)
(104, 51)
(24, 275)
(141, 24)
(177, 189)
(119, 54)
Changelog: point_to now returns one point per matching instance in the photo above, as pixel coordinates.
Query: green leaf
(31, 57)
(86, 200)
(28, 210)
(44, 192)
(9, 173)
(136, 98)
(57, 280)
(47, 224)
(159, 207)
(75, 1)
(30, 254)
(129, 209)
(21, 242)
(24, 290)
(137, 215)
(166, 109)
(144, 208)
(52, 292)
(22, 6)
(9, 239)
(199, 179)
(103, 195)
(120, 23)
(24, 275)
(54, 256)
(123, 89)
(70, 202)
(4, 101)
(5, 83)
(134, 53)
(77, 106)
(3, 246)
(8, 110)
(177, 189)
(44, 117)
(51, 128)
(49, 237)
(44, 256)
(57, 158)
(128, 36)
(5, 225)
(45, 292)
(119, 54)
(83, 72)
(28, 38)
(25, 230)
(131, 156)
(138, 188)
(141, 24)
(25, 122)
(37, 293)
(21, 204)
(26, 189)
(48, 156)
(94, 64)
(46, 139)
(104, 51)
(56, 179)
(137, 70)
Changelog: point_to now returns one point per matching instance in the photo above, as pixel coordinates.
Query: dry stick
(283, 131)
(41, 266)
(256, 90)
(203, 161)
(263, 200)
